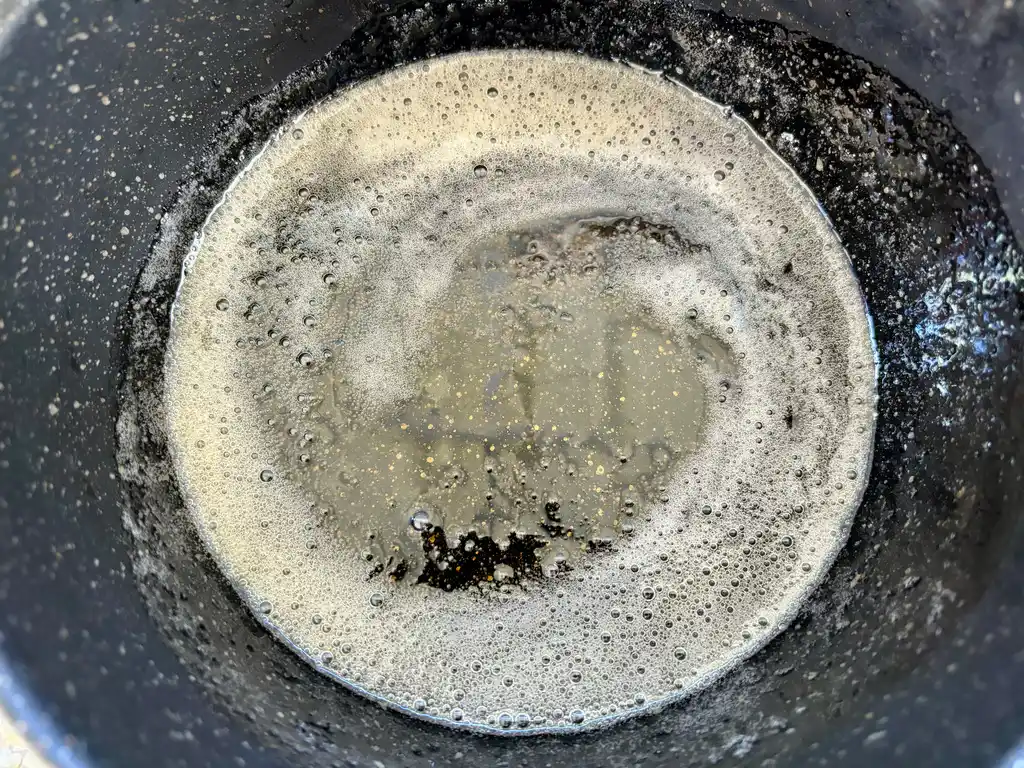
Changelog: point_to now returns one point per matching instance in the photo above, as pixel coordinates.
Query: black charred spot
(465, 568)
(551, 510)
(399, 571)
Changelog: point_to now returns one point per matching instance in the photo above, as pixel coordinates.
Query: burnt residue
(470, 560)
(917, 210)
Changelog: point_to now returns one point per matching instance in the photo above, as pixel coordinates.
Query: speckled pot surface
(121, 123)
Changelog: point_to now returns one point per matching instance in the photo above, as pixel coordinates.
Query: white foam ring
(356, 189)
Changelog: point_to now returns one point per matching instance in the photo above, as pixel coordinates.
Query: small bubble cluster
(325, 348)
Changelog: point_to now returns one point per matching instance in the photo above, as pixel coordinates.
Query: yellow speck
(471, 418)
(600, 512)
(423, 474)
(675, 393)
(600, 469)
(622, 399)
(430, 426)
(633, 335)
(430, 459)
(554, 427)
(458, 394)
(600, 375)
(391, 467)
(398, 455)
(526, 358)
(491, 448)
(536, 427)
(405, 426)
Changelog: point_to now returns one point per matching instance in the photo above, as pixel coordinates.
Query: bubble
(492, 92)
(222, 304)
(480, 171)
(266, 475)
(420, 519)
(376, 599)
(679, 653)
(577, 716)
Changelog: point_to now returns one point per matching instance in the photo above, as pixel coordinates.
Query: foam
(333, 252)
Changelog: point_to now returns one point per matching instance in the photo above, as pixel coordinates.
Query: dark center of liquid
(550, 411)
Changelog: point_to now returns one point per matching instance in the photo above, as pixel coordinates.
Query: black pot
(129, 649)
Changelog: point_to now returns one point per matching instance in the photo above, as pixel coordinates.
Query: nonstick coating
(130, 650)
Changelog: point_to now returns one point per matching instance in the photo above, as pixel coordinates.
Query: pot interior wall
(135, 647)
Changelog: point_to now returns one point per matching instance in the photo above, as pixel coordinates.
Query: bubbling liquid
(521, 391)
